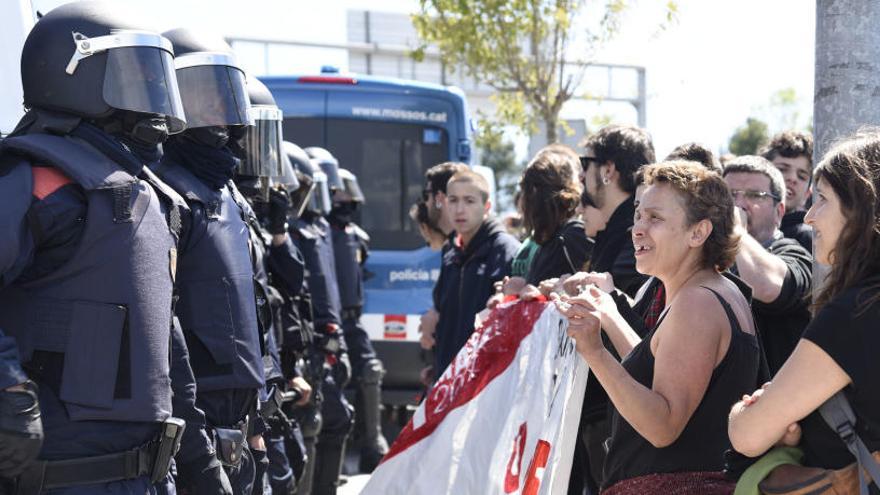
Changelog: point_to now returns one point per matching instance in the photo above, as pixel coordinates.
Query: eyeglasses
(585, 161)
(753, 195)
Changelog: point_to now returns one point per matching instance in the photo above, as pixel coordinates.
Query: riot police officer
(350, 247)
(311, 233)
(215, 280)
(87, 260)
(276, 262)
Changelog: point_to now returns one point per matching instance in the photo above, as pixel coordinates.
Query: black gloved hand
(279, 205)
(203, 475)
(21, 430)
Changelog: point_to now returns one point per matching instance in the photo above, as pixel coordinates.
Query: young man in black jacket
(791, 152)
(480, 254)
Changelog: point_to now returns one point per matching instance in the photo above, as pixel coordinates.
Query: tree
(497, 153)
(518, 48)
(747, 139)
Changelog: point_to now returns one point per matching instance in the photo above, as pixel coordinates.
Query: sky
(720, 63)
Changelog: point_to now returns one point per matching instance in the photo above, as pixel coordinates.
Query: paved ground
(354, 485)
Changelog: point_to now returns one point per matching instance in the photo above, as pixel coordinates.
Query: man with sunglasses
(778, 268)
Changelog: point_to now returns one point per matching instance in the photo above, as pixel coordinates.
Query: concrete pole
(847, 90)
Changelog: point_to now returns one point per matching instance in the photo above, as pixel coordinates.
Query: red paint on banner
(487, 353)
(395, 327)
(537, 468)
(511, 479)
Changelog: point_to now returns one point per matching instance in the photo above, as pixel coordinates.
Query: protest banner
(501, 419)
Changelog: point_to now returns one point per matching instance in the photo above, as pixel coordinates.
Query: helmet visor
(301, 197)
(213, 94)
(142, 79)
(351, 189)
(320, 200)
(287, 179)
(262, 143)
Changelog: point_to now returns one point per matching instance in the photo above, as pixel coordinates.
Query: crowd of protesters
(688, 289)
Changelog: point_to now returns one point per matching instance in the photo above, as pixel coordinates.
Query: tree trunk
(847, 92)
(847, 88)
(552, 131)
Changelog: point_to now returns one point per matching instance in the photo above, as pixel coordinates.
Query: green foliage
(496, 152)
(746, 140)
(518, 48)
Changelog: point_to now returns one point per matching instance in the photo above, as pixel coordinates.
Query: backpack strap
(840, 416)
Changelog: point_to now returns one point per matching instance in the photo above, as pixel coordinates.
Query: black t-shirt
(781, 322)
(850, 334)
(566, 252)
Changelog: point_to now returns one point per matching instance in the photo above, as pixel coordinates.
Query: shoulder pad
(306, 232)
(360, 233)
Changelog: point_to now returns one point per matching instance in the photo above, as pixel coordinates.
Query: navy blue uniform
(217, 308)
(312, 236)
(87, 266)
(350, 249)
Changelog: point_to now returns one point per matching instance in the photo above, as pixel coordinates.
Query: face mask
(215, 137)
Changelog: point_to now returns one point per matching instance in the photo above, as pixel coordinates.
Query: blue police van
(388, 132)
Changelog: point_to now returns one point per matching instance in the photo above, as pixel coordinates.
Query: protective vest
(346, 250)
(108, 309)
(267, 298)
(313, 239)
(215, 286)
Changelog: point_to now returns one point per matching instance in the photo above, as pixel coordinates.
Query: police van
(388, 132)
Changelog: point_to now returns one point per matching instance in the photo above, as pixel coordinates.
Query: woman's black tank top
(701, 445)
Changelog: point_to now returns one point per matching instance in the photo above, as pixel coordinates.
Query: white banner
(503, 417)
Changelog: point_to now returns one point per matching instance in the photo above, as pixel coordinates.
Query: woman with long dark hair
(550, 198)
(838, 350)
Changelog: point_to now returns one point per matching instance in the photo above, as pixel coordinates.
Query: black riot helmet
(212, 84)
(329, 165)
(260, 145)
(317, 200)
(351, 191)
(87, 59)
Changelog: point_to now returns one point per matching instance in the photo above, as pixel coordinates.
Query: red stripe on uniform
(47, 180)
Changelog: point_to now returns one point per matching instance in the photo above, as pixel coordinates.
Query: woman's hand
(583, 324)
(548, 286)
(576, 283)
(792, 435)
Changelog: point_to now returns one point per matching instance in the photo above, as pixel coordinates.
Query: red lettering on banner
(537, 468)
(486, 355)
(514, 465)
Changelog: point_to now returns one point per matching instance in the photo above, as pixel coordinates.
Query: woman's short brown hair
(705, 196)
(550, 195)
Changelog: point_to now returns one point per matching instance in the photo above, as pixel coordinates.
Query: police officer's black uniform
(216, 302)
(311, 234)
(88, 259)
(350, 249)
